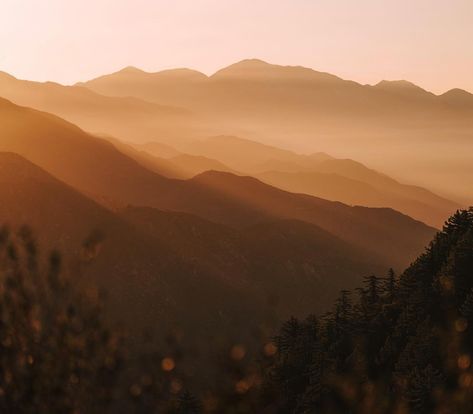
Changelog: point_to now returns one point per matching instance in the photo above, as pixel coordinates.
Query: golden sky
(429, 42)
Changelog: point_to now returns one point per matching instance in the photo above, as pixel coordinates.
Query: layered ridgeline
(120, 116)
(317, 174)
(256, 90)
(96, 168)
(127, 116)
(174, 275)
(199, 257)
(392, 345)
(248, 238)
(394, 125)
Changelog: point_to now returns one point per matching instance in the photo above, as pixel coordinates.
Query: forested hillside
(392, 345)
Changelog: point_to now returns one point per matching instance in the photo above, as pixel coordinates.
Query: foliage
(404, 346)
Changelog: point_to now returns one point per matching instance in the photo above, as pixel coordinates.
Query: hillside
(327, 177)
(154, 265)
(120, 116)
(409, 337)
(110, 176)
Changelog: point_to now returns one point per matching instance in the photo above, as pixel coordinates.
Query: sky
(429, 42)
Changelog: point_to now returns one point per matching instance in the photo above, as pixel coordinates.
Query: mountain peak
(259, 69)
(402, 87)
(458, 96)
(131, 69)
(181, 73)
(397, 84)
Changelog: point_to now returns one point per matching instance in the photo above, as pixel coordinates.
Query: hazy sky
(429, 42)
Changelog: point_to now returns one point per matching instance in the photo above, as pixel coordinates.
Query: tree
(55, 354)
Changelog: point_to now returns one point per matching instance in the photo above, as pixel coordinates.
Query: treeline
(394, 345)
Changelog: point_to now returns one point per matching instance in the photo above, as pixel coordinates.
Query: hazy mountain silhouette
(304, 109)
(323, 176)
(458, 97)
(123, 116)
(170, 261)
(257, 88)
(96, 167)
(247, 155)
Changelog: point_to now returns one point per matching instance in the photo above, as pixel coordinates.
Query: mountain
(271, 258)
(90, 237)
(389, 125)
(395, 126)
(404, 88)
(422, 205)
(327, 177)
(458, 97)
(158, 149)
(167, 256)
(181, 83)
(180, 166)
(96, 168)
(177, 277)
(258, 89)
(247, 155)
(120, 116)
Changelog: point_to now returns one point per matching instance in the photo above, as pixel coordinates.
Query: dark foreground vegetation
(394, 345)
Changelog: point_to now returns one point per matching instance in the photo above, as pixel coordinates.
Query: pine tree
(390, 286)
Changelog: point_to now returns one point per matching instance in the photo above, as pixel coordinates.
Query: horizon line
(211, 74)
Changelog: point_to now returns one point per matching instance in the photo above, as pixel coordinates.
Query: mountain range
(218, 240)
(395, 126)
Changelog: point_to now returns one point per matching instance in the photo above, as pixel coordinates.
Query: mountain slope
(168, 260)
(324, 176)
(120, 116)
(271, 258)
(96, 167)
(148, 283)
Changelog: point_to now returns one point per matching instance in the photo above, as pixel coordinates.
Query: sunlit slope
(327, 177)
(96, 167)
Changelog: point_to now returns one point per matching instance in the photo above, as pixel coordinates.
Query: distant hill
(324, 176)
(247, 155)
(129, 116)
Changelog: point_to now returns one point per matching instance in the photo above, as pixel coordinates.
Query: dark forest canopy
(394, 345)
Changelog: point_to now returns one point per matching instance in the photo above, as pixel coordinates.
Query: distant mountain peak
(251, 63)
(401, 84)
(131, 69)
(257, 68)
(402, 87)
(181, 73)
(398, 82)
(457, 95)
